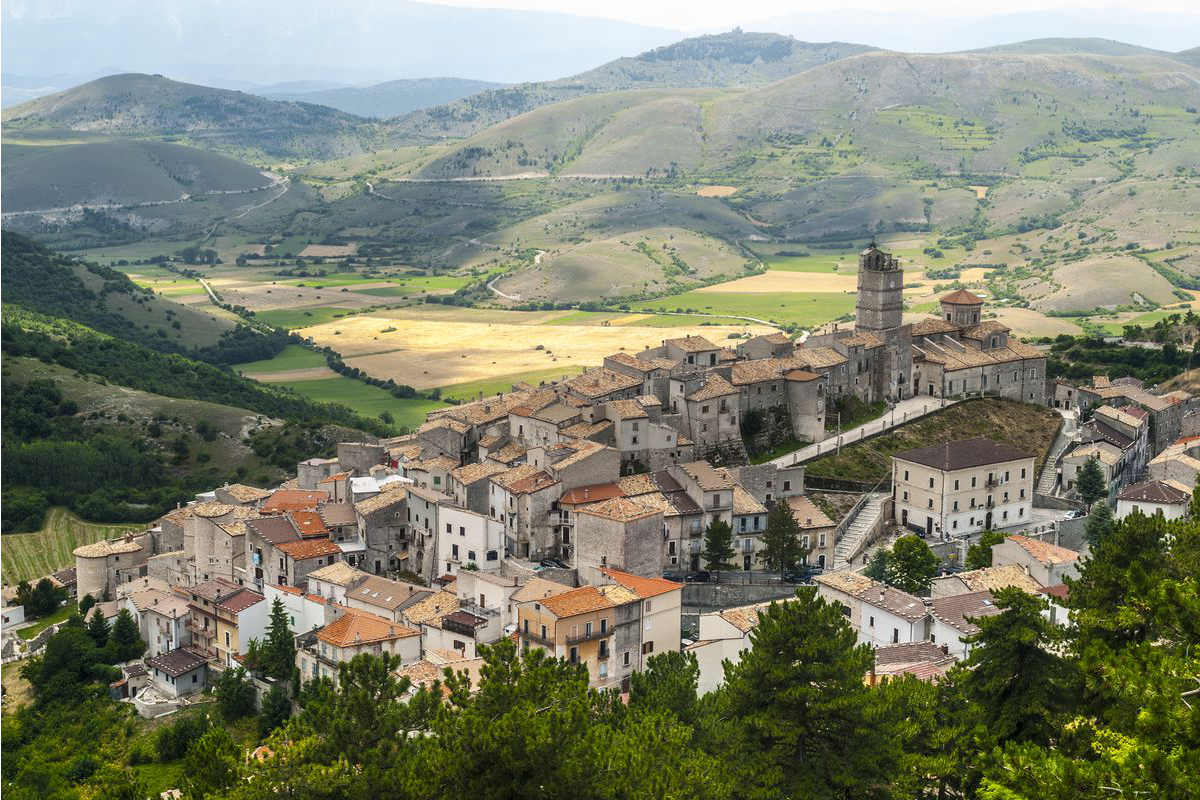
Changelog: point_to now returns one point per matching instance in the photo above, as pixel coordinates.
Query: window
(647, 648)
(905, 474)
(526, 626)
(625, 659)
(973, 481)
(872, 622)
(647, 607)
(587, 629)
(470, 555)
(604, 625)
(574, 657)
(931, 483)
(895, 635)
(454, 550)
(931, 502)
(787, 486)
(449, 528)
(703, 409)
(956, 505)
(543, 631)
(1022, 472)
(906, 495)
(462, 531)
(956, 485)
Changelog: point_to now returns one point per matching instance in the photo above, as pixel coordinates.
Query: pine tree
(235, 694)
(877, 567)
(125, 642)
(276, 708)
(98, 628)
(806, 724)
(781, 539)
(211, 764)
(1194, 506)
(979, 555)
(1090, 482)
(279, 650)
(1099, 524)
(718, 546)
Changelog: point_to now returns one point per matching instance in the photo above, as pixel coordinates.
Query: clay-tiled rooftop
(431, 608)
(585, 430)
(745, 503)
(933, 326)
(759, 370)
(590, 494)
(874, 593)
(818, 357)
(583, 600)
(337, 514)
(1045, 552)
(339, 573)
(691, 344)
(310, 548)
(641, 483)
(211, 510)
(1161, 492)
(962, 297)
(744, 618)
(509, 454)
(478, 471)
(706, 476)
(103, 549)
(309, 523)
(532, 484)
(538, 589)
(447, 423)
(641, 586)
(295, 500)
(714, 386)
(807, 514)
(576, 450)
(246, 494)
(358, 628)
(985, 329)
(381, 592)
(601, 381)
(618, 509)
(236, 604)
(177, 662)
(390, 496)
(955, 609)
(275, 530)
(626, 409)
(993, 579)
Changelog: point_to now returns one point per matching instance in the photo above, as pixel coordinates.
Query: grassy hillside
(1030, 428)
(28, 556)
(118, 172)
(145, 105)
(731, 59)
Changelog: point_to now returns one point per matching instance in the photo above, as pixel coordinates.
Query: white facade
(467, 537)
(304, 613)
(1167, 510)
(958, 503)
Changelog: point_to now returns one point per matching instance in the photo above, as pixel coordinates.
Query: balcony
(478, 610)
(534, 638)
(198, 628)
(596, 633)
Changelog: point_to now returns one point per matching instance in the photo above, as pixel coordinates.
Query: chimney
(882, 593)
(357, 637)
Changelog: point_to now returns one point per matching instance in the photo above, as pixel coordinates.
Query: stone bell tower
(880, 303)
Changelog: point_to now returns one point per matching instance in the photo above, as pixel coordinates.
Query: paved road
(904, 411)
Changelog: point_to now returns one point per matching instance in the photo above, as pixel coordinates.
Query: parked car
(678, 577)
(697, 577)
(799, 575)
(552, 563)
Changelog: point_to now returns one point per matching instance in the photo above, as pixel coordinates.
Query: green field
(657, 321)
(293, 356)
(370, 401)
(843, 263)
(470, 391)
(290, 318)
(801, 308)
(31, 555)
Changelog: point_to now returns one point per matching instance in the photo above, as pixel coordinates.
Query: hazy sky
(692, 15)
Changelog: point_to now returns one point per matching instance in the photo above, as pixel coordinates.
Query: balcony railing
(478, 610)
(536, 638)
(596, 633)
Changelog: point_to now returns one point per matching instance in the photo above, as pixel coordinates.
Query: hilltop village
(577, 517)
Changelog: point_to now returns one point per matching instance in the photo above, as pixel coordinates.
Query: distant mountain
(733, 59)
(390, 99)
(1066, 46)
(269, 41)
(140, 105)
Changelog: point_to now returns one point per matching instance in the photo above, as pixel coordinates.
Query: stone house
(446, 436)
(342, 524)
(282, 501)
(320, 653)
(385, 597)
(600, 385)
(431, 473)
(241, 617)
(312, 471)
(1046, 563)
(179, 672)
(542, 427)
(490, 590)
(654, 373)
(817, 531)
(880, 614)
(767, 345)
(691, 350)
(296, 559)
(202, 600)
(334, 581)
(710, 411)
(521, 499)
(162, 618)
(577, 462)
(383, 524)
(97, 564)
(950, 620)
(650, 624)
(470, 484)
(1169, 499)
(359, 457)
(617, 533)
(239, 494)
(724, 636)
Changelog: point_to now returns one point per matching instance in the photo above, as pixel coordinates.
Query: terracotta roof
(235, 604)
(583, 430)
(295, 500)
(171, 605)
(433, 607)
(746, 503)
(864, 339)
(908, 653)
(434, 464)
(714, 386)
(310, 548)
(178, 662)
(105, 548)
(633, 485)
(985, 329)
(955, 609)
(555, 413)
(963, 298)
(275, 530)
(1059, 591)
(390, 496)
(932, 326)
(1155, 492)
(65, 577)
(874, 593)
(532, 484)
(577, 450)
(508, 454)
(338, 573)
(601, 381)
(641, 586)
(211, 510)
(807, 514)
(309, 523)
(617, 509)
(590, 494)
(214, 591)
(691, 344)
(341, 476)
(801, 375)
(335, 514)
(1122, 415)
(626, 409)
(758, 370)
(358, 627)
(963, 454)
(510, 476)
(448, 423)
(1045, 552)
(576, 601)
(818, 357)
(1102, 451)
(994, 579)
(706, 476)
(246, 494)
(406, 452)
(477, 471)
(745, 618)
(642, 365)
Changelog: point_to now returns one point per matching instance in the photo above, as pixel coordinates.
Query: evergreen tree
(1015, 677)
(98, 628)
(86, 603)
(805, 725)
(781, 539)
(276, 708)
(279, 650)
(1194, 506)
(1090, 482)
(877, 567)
(235, 693)
(912, 565)
(979, 555)
(668, 684)
(211, 764)
(125, 641)
(718, 546)
(1099, 524)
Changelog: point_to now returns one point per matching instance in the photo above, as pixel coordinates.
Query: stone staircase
(857, 527)
(1049, 477)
